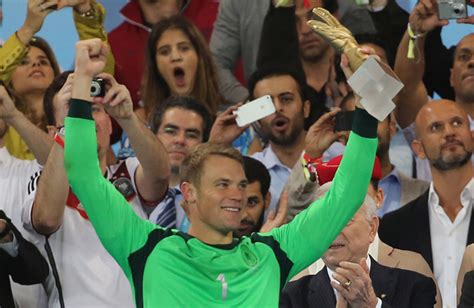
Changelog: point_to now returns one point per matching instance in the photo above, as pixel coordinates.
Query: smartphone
(254, 110)
(344, 121)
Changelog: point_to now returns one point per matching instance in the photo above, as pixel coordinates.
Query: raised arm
(120, 230)
(37, 140)
(16, 47)
(153, 173)
(413, 96)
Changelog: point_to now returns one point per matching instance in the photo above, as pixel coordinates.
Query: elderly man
(352, 276)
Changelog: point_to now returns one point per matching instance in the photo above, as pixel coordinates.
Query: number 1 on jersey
(221, 278)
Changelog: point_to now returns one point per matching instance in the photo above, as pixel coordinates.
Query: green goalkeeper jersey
(168, 268)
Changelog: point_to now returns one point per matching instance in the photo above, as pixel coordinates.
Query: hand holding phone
(254, 110)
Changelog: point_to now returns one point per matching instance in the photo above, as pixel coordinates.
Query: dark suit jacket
(28, 267)
(408, 228)
(395, 287)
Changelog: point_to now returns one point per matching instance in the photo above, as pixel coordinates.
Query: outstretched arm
(153, 173)
(120, 230)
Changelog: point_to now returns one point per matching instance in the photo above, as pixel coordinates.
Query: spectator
(28, 64)
(217, 268)
(180, 123)
(20, 259)
(440, 217)
(285, 128)
(86, 274)
(128, 41)
(354, 277)
(414, 96)
(178, 62)
(258, 200)
(14, 177)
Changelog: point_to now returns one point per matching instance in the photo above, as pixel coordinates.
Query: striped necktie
(167, 217)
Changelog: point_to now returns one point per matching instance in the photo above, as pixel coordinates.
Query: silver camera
(452, 9)
(98, 87)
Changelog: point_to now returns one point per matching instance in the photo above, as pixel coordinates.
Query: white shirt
(15, 175)
(448, 241)
(89, 276)
(336, 293)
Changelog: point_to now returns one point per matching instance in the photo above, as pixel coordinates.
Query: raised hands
(424, 17)
(225, 129)
(35, 15)
(355, 285)
(321, 134)
(117, 100)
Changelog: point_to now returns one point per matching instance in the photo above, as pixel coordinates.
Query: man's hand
(7, 107)
(275, 221)
(321, 134)
(424, 17)
(91, 56)
(355, 284)
(117, 100)
(225, 129)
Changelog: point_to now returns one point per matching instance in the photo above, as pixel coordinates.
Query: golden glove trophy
(372, 80)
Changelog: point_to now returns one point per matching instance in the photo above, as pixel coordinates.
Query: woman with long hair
(178, 62)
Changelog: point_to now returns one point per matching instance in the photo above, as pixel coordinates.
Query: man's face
(462, 73)
(312, 46)
(252, 218)
(180, 130)
(216, 203)
(443, 135)
(103, 127)
(156, 10)
(352, 244)
(287, 123)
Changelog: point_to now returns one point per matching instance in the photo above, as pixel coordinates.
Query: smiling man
(207, 266)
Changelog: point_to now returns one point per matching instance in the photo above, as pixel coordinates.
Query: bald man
(437, 224)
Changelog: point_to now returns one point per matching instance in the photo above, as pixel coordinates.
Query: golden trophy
(373, 81)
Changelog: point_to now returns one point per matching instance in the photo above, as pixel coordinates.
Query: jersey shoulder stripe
(285, 263)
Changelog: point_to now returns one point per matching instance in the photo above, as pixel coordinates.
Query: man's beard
(174, 169)
(460, 161)
(255, 227)
(292, 137)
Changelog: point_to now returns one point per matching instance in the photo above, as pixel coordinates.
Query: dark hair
(154, 87)
(40, 43)
(51, 91)
(371, 38)
(375, 183)
(255, 171)
(183, 102)
(266, 72)
(331, 5)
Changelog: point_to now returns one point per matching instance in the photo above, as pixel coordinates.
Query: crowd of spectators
(150, 193)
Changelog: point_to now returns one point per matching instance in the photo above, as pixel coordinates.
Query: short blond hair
(192, 167)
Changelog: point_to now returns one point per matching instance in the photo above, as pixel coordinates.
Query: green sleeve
(307, 237)
(93, 27)
(119, 229)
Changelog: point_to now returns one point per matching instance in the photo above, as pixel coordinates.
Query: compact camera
(98, 87)
(452, 9)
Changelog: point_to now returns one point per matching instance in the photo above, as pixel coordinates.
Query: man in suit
(352, 277)
(19, 259)
(437, 224)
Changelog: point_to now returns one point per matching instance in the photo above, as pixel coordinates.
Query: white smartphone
(254, 110)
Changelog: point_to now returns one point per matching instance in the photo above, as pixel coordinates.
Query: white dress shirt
(448, 241)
